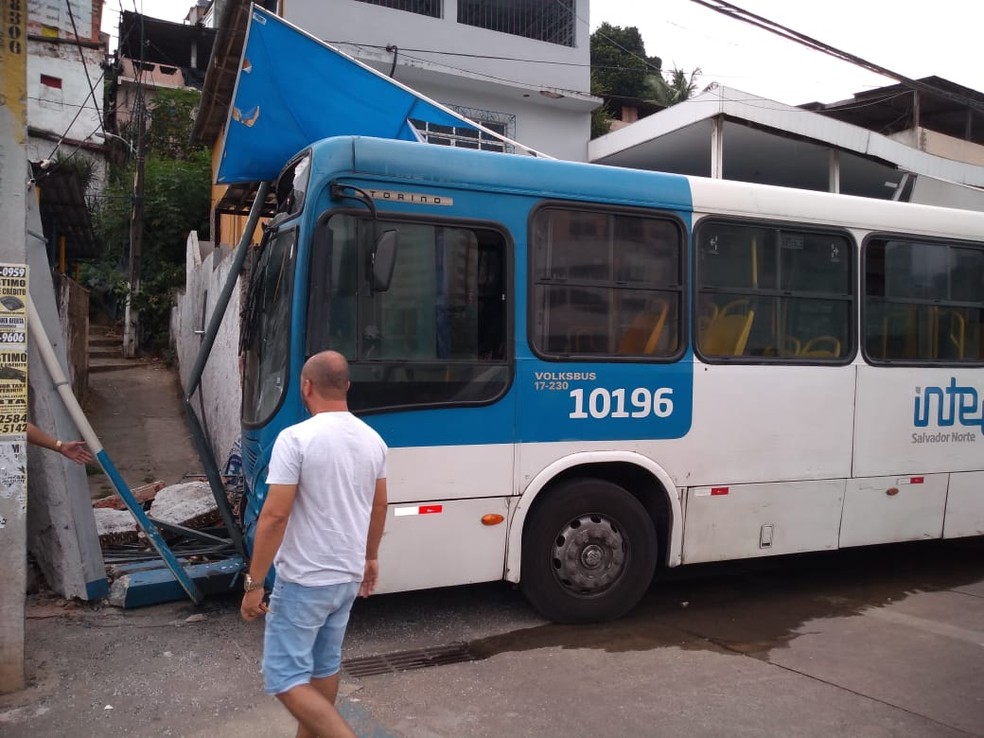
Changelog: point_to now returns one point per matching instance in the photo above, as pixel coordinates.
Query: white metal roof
(773, 143)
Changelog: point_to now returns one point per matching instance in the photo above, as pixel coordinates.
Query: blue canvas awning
(293, 89)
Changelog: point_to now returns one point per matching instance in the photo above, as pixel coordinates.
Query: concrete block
(115, 526)
(190, 504)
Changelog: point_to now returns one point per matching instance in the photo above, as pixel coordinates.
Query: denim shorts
(303, 636)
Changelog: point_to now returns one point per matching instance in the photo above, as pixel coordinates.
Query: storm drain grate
(422, 658)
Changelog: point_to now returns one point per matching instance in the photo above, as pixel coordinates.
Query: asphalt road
(871, 642)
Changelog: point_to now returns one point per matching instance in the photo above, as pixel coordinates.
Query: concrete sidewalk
(138, 415)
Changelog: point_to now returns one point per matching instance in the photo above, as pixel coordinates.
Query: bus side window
(773, 293)
(605, 284)
(924, 301)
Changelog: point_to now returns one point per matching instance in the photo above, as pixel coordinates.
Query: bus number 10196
(642, 402)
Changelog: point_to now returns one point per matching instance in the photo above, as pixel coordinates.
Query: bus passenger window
(923, 302)
(438, 335)
(769, 293)
(605, 285)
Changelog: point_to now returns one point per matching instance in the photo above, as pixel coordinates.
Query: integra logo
(948, 406)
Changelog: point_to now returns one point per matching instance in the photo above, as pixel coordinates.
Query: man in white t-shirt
(320, 526)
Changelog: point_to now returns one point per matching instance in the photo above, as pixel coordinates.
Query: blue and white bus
(587, 373)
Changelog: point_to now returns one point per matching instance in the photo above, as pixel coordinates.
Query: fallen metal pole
(40, 339)
(205, 453)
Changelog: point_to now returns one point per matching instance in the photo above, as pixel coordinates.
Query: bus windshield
(266, 336)
(437, 336)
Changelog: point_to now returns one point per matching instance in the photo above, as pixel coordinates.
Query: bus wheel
(589, 552)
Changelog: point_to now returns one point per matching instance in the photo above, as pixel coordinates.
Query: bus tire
(589, 552)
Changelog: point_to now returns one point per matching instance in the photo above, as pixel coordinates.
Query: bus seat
(643, 334)
(706, 314)
(727, 334)
(951, 324)
(903, 322)
(822, 346)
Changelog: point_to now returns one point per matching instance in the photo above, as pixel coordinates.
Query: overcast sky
(939, 37)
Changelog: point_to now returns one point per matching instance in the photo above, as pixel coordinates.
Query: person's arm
(74, 450)
(377, 521)
(270, 530)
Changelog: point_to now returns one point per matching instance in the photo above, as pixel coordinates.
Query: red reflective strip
(715, 491)
(431, 509)
(917, 480)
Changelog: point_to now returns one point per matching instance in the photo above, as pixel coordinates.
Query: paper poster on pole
(13, 350)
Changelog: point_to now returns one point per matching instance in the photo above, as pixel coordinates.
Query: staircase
(106, 349)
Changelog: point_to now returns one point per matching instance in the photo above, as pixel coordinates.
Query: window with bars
(463, 136)
(553, 22)
(430, 8)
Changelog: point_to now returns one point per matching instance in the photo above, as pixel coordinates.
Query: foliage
(619, 65)
(81, 165)
(154, 303)
(176, 198)
(620, 68)
(678, 88)
(171, 123)
(601, 121)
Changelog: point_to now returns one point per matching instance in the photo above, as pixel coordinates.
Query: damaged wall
(206, 271)
(61, 529)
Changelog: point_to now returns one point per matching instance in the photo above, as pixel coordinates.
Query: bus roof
(452, 167)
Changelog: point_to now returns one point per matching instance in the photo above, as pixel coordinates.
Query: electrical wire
(91, 94)
(85, 66)
(649, 65)
(745, 16)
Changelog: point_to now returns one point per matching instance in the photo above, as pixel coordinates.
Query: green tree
(176, 196)
(621, 68)
(619, 65)
(679, 87)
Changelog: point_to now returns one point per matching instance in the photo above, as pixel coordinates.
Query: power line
(90, 95)
(745, 16)
(610, 40)
(85, 66)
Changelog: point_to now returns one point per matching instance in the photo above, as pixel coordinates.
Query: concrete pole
(717, 148)
(13, 250)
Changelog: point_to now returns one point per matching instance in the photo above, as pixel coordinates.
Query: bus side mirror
(384, 259)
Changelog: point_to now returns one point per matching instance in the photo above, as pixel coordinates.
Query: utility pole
(13, 392)
(131, 326)
(131, 321)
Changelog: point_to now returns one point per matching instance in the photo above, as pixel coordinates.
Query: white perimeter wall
(206, 271)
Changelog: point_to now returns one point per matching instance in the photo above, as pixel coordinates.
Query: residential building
(521, 67)
(887, 143)
(66, 54)
(155, 54)
(950, 124)
(66, 57)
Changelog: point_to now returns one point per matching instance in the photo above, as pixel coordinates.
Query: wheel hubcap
(589, 554)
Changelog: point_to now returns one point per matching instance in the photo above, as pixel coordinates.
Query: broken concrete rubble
(190, 504)
(143, 494)
(115, 527)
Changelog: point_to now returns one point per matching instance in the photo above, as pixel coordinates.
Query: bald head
(328, 373)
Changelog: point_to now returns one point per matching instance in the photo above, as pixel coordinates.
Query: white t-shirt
(334, 459)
